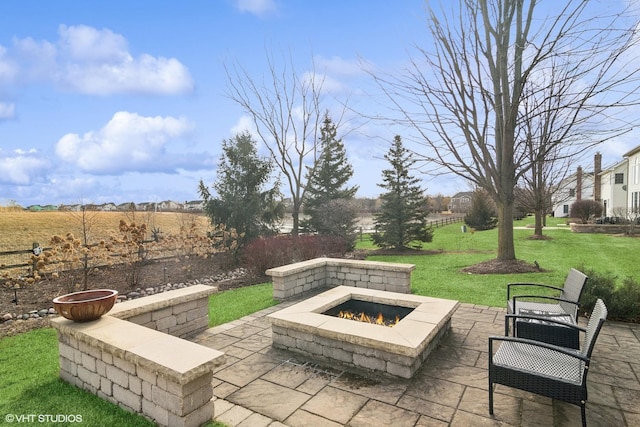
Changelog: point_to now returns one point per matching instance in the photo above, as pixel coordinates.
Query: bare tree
(286, 109)
(464, 100)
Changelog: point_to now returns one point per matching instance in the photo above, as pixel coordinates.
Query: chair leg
(584, 414)
(490, 398)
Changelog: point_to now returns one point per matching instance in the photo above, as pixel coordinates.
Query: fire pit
(369, 312)
(309, 328)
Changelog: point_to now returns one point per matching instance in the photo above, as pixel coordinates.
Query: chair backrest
(573, 287)
(598, 316)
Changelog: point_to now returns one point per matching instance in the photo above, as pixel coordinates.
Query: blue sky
(118, 101)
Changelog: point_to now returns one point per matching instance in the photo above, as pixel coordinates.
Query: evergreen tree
(327, 201)
(402, 219)
(482, 213)
(246, 201)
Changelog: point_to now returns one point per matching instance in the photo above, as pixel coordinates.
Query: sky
(120, 101)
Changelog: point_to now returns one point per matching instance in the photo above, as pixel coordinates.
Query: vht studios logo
(42, 418)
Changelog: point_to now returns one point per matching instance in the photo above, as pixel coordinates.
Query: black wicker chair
(545, 369)
(563, 307)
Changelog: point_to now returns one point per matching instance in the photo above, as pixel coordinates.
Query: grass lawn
(30, 384)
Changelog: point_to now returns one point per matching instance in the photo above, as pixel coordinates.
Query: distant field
(19, 229)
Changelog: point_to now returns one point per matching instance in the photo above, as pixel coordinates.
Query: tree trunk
(539, 222)
(506, 247)
(295, 215)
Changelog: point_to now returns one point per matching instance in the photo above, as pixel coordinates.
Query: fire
(364, 317)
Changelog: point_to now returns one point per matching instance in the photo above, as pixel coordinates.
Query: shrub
(263, 253)
(623, 302)
(585, 210)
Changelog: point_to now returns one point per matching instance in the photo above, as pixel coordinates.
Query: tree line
(246, 194)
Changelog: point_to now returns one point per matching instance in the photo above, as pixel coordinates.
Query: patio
(262, 386)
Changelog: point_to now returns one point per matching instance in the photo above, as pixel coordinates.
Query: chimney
(597, 179)
(579, 183)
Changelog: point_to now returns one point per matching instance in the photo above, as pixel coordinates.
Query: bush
(586, 210)
(623, 302)
(264, 253)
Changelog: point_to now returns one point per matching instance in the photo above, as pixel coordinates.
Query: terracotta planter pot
(85, 306)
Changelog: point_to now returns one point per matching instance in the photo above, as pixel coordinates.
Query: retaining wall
(139, 368)
(294, 279)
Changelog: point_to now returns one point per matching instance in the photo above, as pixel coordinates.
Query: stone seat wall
(139, 368)
(292, 280)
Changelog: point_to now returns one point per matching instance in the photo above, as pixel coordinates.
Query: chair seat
(539, 361)
(534, 306)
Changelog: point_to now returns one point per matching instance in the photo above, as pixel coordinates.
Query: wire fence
(22, 263)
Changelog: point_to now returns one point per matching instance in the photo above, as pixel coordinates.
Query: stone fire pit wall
(292, 280)
(145, 369)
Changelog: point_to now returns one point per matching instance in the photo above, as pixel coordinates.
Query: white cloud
(96, 62)
(8, 68)
(338, 65)
(86, 44)
(131, 143)
(243, 124)
(7, 111)
(259, 8)
(22, 168)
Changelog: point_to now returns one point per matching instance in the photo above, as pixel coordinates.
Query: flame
(363, 317)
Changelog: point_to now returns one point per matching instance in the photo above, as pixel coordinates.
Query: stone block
(369, 362)
(165, 323)
(89, 350)
(88, 377)
(101, 368)
(162, 313)
(68, 366)
(135, 385)
(157, 413)
(141, 319)
(337, 354)
(118, 376)
(184, 307)
(125, 365)
(200, 416)
(146, 375)
(127, 397)
(167, 400)
(89, 362)
(105, 386)
(66, 351)
(399, 370)
(309, 346)
(198, 312)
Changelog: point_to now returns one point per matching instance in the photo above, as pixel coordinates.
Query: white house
(461, 202)
(614, 183)
(577, 186)
(633, 185)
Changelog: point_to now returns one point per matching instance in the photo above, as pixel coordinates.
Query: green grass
(30, 384)
(439, 275)
(236, 303)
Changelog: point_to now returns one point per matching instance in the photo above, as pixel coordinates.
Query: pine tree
(482, 212)
(402, 219)
(327, 201)
(247, 199)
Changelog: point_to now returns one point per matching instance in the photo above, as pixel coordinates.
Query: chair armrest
(568, 351)
(519, 297)
(550, 319)
(538, 285)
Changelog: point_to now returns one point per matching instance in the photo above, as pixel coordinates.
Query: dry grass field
(19, 229)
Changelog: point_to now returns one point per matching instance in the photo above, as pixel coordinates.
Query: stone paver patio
(262, 386)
